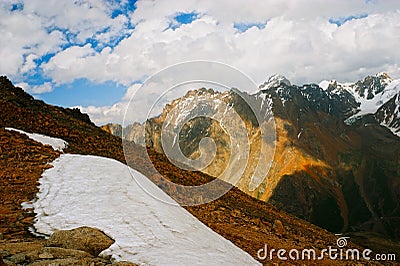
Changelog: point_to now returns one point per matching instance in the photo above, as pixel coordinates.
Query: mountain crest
(275, 81)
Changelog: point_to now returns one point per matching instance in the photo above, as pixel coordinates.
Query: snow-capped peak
(274, 81)
(384, 77)
(372, 94)
(325, 84)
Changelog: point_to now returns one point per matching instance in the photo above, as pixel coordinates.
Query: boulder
(278, 228)
(83, 238)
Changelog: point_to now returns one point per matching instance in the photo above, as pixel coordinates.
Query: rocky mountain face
(246, 222)
(374, 95)
(133, 132)
(336, 161)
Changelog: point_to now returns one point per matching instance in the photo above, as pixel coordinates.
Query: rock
(7, 263)
(45, 255)
(124, 263)
(278, 228)
(63, 253)
(2, 263)
(257, 221)
(236, 213)
(83, 238)
(59, 262)
(18, 258)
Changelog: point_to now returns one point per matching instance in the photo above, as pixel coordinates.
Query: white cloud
(101, 115)
(37, 89)
(305, 50)
(41, 29)
(22, 34)
(29, 63)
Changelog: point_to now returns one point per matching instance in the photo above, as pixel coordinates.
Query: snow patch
(372, 105)
(55, 143)
(324, 84)
(100, 192)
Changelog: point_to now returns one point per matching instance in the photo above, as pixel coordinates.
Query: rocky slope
(247, 222)
(334, 164)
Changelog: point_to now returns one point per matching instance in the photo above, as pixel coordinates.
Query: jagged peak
(383, 75)
(274, 81)
(326, 83)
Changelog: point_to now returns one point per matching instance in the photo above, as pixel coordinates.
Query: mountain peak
(275, 81)
(326, 83)
(383, 75)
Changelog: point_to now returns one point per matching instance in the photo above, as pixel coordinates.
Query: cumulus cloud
(115, 113)
(298, 39)
(36, 89)
(33, 28)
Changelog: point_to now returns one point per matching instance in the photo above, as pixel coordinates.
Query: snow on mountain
(371, 93)
(325, 84)
(377, 95)
(275, 81)
(388, 115)
(55, 143)
(371, 105)
(148, 226)
(349, 100)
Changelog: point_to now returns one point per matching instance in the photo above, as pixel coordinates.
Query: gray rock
(18, 258)
(83, 238)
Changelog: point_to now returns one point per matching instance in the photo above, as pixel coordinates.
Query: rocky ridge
(334, 164)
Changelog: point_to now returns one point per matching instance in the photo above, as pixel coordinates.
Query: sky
(94, 54)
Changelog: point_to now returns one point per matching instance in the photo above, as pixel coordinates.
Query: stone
(18, 258)
(58, 262)
(278, 228)
(45, 255)
(63, 253)
(57, 253)
(2, 263)
(83, 238)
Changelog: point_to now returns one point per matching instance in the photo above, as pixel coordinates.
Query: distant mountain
(373, 96)
(134, 132)
(336, 162)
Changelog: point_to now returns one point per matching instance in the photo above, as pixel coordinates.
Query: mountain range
(337, 148)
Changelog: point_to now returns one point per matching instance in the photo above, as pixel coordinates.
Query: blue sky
(341, 20)
(84, 92)
(91, 53)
